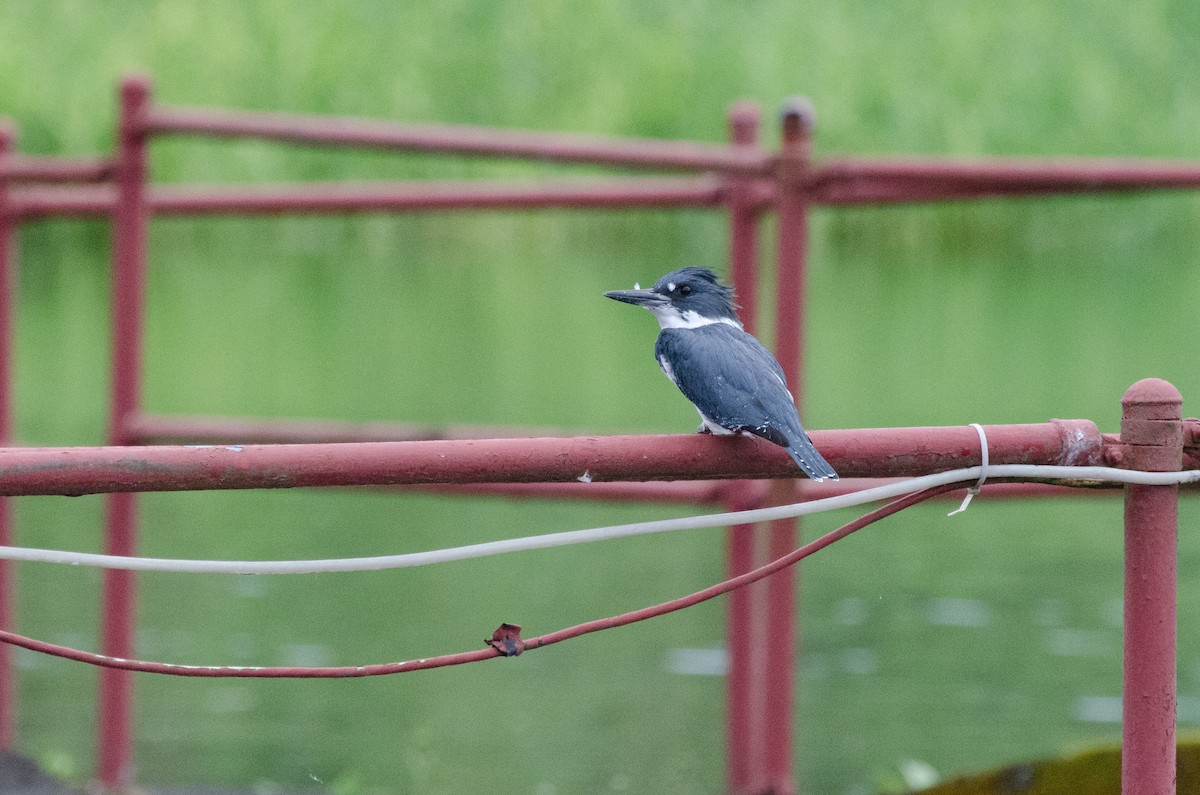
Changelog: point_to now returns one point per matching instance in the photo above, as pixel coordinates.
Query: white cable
(1023, 471)
(983, 470)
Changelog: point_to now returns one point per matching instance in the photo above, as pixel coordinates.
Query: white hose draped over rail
(407, 560)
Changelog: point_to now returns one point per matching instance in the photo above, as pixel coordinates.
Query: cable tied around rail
(983, 469)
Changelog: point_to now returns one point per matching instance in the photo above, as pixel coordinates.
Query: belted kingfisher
(734, 382)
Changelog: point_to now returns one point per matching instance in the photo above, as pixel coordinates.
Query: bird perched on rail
(734, 382)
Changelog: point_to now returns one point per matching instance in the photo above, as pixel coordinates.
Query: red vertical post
(792, 237)
(1152, 440)
(743, 701)
(130, 226)
(8, 276)
(744, 214)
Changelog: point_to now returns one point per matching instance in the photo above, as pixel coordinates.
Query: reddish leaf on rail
(507, 640)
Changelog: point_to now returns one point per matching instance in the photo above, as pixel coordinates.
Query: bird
(728, 375)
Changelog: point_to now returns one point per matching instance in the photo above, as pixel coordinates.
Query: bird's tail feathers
(810, 461)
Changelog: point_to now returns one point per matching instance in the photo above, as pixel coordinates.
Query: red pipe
(1029, 173)
(790, 275)
(1152, 439)
(435, 196)
(130, 220)
(392, 197)
(916, 192)
(858, 181)
(326, 130)
(32, 204)
(855, 453)
(744, 216)
(131, 215)
(39, 168)
(158, 429)
(743, 701)
(8, 283)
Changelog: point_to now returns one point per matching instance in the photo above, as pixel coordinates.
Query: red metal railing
(1153, 438)
(859, 453)
(741, 179)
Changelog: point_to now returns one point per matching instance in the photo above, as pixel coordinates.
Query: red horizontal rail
(417, 196)
(36, 203)
(835, 184)
(160, 429)
(463, 140)
(432, 196)
(36, 168)
(855, 453)
(859, 181)
(1079, 172)
(157, 429)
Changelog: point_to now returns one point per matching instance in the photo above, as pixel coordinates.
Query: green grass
(990, 312)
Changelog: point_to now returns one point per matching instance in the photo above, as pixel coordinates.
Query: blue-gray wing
(736, 383)
(732, 379)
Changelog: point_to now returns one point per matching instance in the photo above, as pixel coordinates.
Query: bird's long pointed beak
(646, 298)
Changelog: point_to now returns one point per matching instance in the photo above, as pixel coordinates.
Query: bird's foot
(704, 429)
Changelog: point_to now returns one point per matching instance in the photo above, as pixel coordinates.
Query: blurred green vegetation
(961, 643)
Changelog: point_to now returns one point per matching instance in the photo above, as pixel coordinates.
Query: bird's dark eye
(685, 290)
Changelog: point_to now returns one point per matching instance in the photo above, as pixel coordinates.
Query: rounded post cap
(136, 87)
(1153, 391)
(799, 116)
